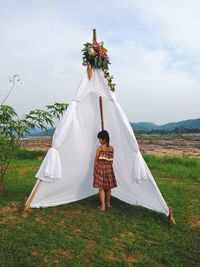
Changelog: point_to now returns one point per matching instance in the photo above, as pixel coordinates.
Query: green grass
(76, 234)
(22, 153)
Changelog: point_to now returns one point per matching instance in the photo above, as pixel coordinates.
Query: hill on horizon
(141, 126)
(149, 126)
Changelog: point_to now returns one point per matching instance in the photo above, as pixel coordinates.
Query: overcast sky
(154, 48)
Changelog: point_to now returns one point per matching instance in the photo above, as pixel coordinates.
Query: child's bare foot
(108, 206)
(101, 209)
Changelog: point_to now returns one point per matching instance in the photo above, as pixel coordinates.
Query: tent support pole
(29, 201)
(94, 39)
(89, 67)
(171, 218)
(101, 112)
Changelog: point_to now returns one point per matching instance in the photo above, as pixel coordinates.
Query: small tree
(12, 129)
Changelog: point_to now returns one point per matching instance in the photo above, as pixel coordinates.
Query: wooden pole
(171, 218)
(94, 39)
(101, 112)
(29, 201)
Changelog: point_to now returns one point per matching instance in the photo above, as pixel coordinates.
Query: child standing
(104, 176)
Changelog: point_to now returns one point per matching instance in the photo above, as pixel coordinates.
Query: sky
(153, 45)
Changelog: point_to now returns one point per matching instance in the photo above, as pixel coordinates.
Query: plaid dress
(104, 176)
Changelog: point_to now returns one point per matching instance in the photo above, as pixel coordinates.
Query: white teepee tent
(66, 173)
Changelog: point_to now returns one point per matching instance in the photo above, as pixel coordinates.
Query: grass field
(76, 234)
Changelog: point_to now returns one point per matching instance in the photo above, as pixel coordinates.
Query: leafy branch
(12, 129)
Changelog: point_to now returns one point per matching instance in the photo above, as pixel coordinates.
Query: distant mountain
(149, 126)
(143, 126)
(189, 124)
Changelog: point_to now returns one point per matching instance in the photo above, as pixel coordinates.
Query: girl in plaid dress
(104, 176)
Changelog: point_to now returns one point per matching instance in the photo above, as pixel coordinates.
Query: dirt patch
(77, 231)
(34, 253)
(23, 170)
(9, 213)
(13, 212)
(172, 145)
(112, 256)
(11, 207)
(172, 180)
(61, 223)
(127, 235)
(40, 220)
(109, 255)
(36, 143)
(195, 224)
(68, 253)
(73, 212)
(124, 237)
(9, 219)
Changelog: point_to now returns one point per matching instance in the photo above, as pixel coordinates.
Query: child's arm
(113, 153)
(96, 157)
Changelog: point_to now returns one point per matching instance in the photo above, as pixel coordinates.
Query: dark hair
(104, 135)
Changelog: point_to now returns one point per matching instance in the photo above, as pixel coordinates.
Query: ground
(174, 145)
(77, 234)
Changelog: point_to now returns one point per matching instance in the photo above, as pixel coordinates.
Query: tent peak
(94, 38)
(95, 55)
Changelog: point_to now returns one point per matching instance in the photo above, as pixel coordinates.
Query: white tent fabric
(66, 173)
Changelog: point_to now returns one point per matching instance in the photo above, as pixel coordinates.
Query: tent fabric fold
(66, 172)
(51, 168)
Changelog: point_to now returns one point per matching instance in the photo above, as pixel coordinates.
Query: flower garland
(95, 55)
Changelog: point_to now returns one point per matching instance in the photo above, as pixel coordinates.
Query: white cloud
(148, 88)
(179, 19)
